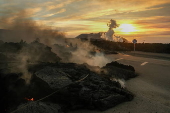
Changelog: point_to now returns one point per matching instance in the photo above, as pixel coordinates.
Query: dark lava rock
(86, 90)
(38, 107)
(122, 66)
(55, 78)
(14, 90)
(119, 71)
(70, 85)
(93, 96)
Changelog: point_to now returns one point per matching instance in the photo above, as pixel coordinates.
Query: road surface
(151, 87)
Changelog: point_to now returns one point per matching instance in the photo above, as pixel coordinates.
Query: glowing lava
(30, 99)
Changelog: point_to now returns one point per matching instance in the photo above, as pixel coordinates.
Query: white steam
(82, 56)
(23, 68)
(109, 34)
(121, 81)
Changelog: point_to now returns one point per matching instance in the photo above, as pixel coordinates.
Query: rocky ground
(33, 79)
(59, 87)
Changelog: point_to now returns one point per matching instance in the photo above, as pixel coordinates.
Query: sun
(127, 28)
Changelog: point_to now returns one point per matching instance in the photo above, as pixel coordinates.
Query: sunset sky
(145, 20)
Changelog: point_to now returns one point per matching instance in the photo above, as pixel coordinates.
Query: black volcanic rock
(14, 90)
(74, 86)
(55, 78)
(87, 89)
(119, 71)
(38, 107)
(122, 66)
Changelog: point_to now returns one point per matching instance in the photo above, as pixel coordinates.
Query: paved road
(151, 87)
(153, 70)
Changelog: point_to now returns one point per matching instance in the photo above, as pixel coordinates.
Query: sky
(145, 20)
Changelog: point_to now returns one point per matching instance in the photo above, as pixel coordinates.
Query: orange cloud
(55, 6)
(59, 5)
(93, 15)
(60, 11)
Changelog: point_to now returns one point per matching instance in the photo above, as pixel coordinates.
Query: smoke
(112, 24)
(109, 34)
(82, 56)
(23, 68)
(29, 31)
(20, 65)
(21, 30)
(90, 54)
(77, 51)
(121, 82)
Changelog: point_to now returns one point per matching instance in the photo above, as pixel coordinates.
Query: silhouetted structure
(91, 36)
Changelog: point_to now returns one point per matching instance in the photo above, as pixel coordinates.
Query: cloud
(60, 11)
(85, 9)
(55, 6)
(30, 12)
(135, 2)
(59, 5)
(81, 16)
(120, 9)
(157, 23)
(154, 19)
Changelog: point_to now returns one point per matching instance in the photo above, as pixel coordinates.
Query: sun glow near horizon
(127, 28)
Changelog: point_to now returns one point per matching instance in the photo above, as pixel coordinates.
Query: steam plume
(82, 55)
(109, 34)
